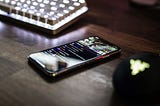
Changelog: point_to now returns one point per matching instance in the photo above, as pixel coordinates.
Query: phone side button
(101, 57)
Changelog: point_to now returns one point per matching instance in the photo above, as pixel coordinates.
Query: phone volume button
(100, 57)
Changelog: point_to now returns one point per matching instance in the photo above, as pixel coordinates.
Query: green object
(138, 66)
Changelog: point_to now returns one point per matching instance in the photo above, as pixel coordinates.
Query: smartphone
(60, 59)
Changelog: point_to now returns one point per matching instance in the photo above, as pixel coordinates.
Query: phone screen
(58, 59)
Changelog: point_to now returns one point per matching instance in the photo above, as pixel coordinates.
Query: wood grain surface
(133, 29)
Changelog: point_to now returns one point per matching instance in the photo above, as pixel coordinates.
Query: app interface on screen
(74, 53)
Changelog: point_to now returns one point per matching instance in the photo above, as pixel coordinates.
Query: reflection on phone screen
(73, 54)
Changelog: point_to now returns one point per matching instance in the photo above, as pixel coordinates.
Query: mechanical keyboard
(50, 16)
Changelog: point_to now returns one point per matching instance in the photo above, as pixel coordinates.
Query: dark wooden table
(133, 29)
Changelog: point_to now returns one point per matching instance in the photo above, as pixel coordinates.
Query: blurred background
(121, 16)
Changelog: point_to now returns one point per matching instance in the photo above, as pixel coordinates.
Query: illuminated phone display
(56, 60)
